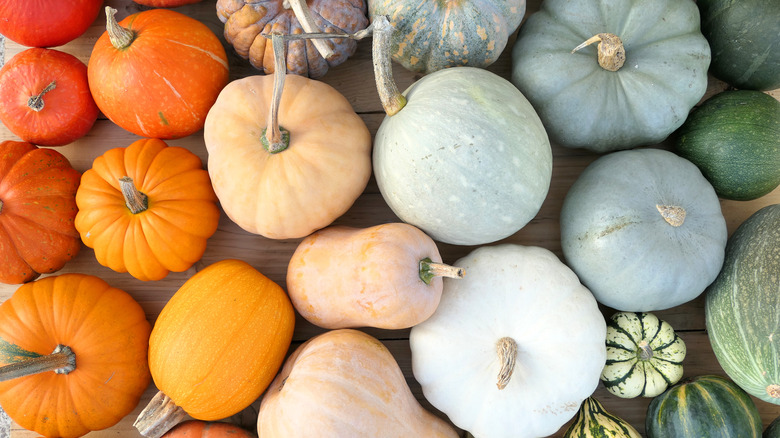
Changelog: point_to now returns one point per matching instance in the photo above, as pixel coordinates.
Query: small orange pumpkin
(206, 429)
(98, 335)
(216, 345)
(147, 209)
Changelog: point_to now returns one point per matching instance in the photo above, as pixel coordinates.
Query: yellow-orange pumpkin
(207, 429)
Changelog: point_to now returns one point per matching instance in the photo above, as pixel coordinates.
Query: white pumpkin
(514, 298)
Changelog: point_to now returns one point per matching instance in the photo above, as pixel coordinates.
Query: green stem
(136, 201)
(36, 102)
(120, 37)
(430, 269)
(62, 361)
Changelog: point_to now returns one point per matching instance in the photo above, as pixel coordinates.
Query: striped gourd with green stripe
(593, 421)
(703, 406)
(644, 355)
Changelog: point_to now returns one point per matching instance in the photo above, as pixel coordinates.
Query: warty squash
(387, 276)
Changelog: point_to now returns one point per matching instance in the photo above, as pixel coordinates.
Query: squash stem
(136, 201)
(35, 103)
(430, 269)
(304, 16)
(645, 352)
(392, 99)
(773, 390)
(62, 361)
(279, 140)
(120, 37)
(674, 215)
(611, 53)
(159, 416)
(507, 354)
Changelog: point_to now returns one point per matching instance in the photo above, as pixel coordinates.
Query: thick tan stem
(159, 416)
(279, 139)
(611, 53)
(430, 269)
(36, 103)
(507, 355)
(62, 361)
(120, 37)
(773, 390)
(136, 201)
(673, 215)
(392, 99)
(304, 16)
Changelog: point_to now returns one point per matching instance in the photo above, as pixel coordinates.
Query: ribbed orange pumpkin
(216, 345)
(206, 429)
(147, 209)
(99, 327)
(37, 209)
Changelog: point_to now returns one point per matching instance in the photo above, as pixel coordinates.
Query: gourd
(37, 210)
(459, 147)
(147, 209)
(734, 138)
(45, 97)
(431, 36)
(344, 383)
(703, 406)
(593, 421)
(248, 23)
(205, 429)
(643, 229)
(644, 355)
(743, 39)
(216, 346)
(634, 87)
(285, 163)
(47, 23)
(87, 342)
(514, 347)
(387, 276)
(742, 303)
(157, 72)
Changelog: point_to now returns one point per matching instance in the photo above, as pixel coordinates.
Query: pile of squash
(508, 340)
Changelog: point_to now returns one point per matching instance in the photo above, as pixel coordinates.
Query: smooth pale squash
(147, 209)
(387, 276)
(344, 383)
(216, 345)
(514, 347)
(95, 335)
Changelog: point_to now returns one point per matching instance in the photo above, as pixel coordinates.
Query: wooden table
(354, 79)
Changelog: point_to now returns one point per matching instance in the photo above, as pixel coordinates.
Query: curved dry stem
(304, 16)
(392, 99)
(611, 53)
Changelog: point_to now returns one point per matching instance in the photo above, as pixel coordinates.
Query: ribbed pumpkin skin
(220, 340)
(703, 406)
(743, 39)
(734, 138)
(37, 209)
(433, 35)
(742, 305)
(171, 234)
(204, 429)
(593, 421)
(108, 332)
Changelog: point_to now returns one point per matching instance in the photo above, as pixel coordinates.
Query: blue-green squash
(742, 306)
(734, 138)
(703, 406)
(593, 421)
(773, 430)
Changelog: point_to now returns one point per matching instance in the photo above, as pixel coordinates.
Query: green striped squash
(742, 306)
(644, 355)
(703, 406)
(593, 421)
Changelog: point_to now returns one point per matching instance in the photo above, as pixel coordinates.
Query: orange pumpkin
(205, 429)
(216, 345)
(100, 335)
(157, 72)
(147, 209)
(37, 209)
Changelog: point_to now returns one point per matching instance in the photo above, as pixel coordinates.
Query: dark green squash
(742, 305)
(773, 430)
(593, 421)
(703, 406)
(734, 138)
(743, 39)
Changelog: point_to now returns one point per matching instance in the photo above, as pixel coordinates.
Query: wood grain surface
(355, 80)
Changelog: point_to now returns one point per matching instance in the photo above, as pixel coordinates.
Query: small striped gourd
(703, 406)
(593, 421)
(644, 355)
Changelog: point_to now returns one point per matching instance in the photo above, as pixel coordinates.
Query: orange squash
(37, 210)
(216, 345)
(344, 383)
(386, 276)
(94, 334)
(147, 209)
(205, 429)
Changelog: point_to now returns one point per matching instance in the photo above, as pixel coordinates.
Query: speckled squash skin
(593, 421)
(247, 21)
(433, 35)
